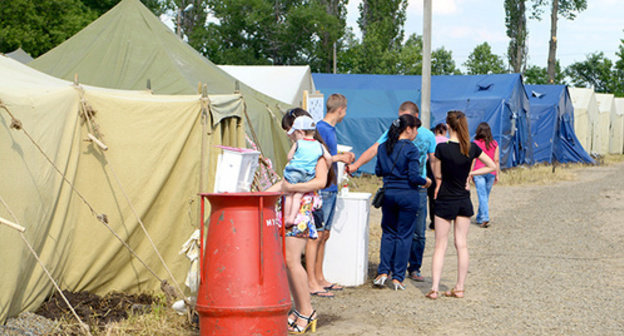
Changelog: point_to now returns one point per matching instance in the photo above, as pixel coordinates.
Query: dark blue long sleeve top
(406, 171)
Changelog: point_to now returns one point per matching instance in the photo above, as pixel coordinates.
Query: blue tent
(373, 101)
(372, 104)
(552, 125)
(499, 100)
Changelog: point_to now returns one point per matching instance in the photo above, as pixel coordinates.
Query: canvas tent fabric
(372, 104)
(285, 83)
(552, 125)
(128, 45)
(585, 116)
(20, 55)
(500, 100)
(154, 152)
(606, 107)
(616, 145)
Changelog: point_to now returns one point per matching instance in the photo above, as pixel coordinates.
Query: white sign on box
(236, 168)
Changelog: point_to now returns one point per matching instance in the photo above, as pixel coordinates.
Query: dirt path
(551, 264)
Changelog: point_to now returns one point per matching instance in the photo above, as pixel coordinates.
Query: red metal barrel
(243, 286)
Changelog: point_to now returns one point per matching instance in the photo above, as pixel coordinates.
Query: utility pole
(425, 94)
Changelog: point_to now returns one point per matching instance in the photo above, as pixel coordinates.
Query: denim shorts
(329, 209)
(294, 176)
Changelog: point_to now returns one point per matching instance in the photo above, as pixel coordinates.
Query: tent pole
(204, 122)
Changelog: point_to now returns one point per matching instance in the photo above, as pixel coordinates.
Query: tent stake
(12, 225)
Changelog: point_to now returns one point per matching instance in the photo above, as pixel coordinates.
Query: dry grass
(540, 174)
(613, 158)
(161, 320)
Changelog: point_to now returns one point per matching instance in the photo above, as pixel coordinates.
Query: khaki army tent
(128, 46)
(20, 55)
(585, 116)
(150, 171)
(616, 139)
(606, 108)
(285, 83)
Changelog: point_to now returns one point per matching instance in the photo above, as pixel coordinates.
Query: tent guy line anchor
(21, 230)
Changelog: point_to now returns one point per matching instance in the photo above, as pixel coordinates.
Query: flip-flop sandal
(334, 287)
(324, 294)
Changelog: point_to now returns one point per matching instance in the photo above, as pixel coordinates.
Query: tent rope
(91, 125)
(56, 286)
(100, 217)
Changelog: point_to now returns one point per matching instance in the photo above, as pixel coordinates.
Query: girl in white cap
(302, 159)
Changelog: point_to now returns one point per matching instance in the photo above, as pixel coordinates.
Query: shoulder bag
(379, 195)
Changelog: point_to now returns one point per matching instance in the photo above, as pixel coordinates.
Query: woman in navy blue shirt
(397, 163)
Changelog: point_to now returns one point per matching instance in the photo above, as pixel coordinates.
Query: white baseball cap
(302, 123)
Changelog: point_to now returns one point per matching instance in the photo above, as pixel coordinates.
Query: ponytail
(458, 123)
(398, 126)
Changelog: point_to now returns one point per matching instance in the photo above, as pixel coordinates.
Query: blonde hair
(335, 101)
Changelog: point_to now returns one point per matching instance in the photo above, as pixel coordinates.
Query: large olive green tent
(151, 171)
(128, 46)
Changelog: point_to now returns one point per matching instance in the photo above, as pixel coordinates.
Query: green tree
(331, 28)
(566, 8)
(482, 61)
(595, 71)
(381, 23)
(38, 26)
(539, 75)
(515, 21)
(442, 63)
(410, 56)
(273, 32)
(619, 71)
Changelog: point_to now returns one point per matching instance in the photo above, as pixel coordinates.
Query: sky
(461, 25)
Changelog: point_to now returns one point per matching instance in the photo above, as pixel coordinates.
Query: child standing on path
(484, 183)
(302, 159)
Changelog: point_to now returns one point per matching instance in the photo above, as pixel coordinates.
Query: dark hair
(440, 129)
(287, 121)
(458, 123)
(484, 132)
(410, 107)
(397, 127)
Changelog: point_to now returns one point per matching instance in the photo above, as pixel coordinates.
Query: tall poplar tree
(565, 8)
(381, 23)
(515, 21)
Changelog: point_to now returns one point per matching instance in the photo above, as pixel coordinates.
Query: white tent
(616, 146)
(285, 83)
(606, 107)
(585, 116)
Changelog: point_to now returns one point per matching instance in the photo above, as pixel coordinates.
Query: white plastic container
(346, 252)
(341, 165)
(236, 168)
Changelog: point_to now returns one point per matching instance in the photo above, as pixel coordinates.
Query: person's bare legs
(461, 244)
(297, 277)
(442, 229)
(320, 254)
(311, 260)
